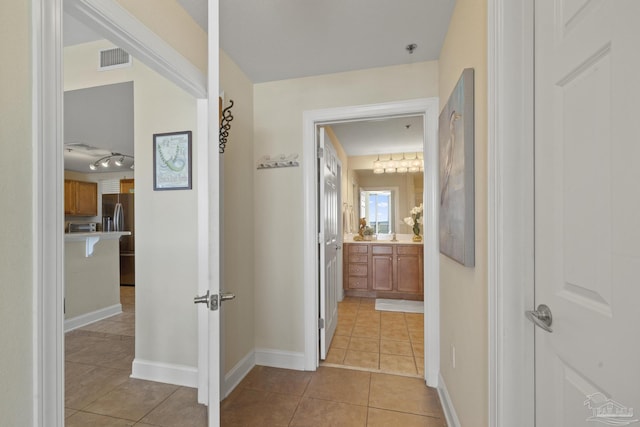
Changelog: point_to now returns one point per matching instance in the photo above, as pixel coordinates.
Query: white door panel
(329, 195)
(587, 208)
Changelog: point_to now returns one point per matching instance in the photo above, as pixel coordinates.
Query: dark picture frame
(172, 161)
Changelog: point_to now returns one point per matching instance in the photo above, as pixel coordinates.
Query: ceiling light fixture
(105, 162)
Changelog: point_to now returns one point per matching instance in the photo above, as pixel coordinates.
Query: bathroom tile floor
(378, 341)
(100, 392)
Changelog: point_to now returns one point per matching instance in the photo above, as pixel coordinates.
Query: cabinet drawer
(382, 250)
(358, 258)
(357, 269)
(358, 283)
(409, 250)
(358, 249)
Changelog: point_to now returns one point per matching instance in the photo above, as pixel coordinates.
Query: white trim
(91, 317)
(47, 214)
(212, 198)
(447, 406)
(428, 107)
(237, 373)
(169, 373)
(203, 247)
(280, 359)
(115, 23)
(510, 212)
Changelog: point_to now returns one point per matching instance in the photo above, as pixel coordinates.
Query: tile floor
(331, 397)
(99, 391)
(379, 341)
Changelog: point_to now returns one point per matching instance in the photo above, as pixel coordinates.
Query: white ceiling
(282, 39)
(388, 136)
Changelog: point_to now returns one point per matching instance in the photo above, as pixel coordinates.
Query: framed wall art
(172, 161)
(456, 164)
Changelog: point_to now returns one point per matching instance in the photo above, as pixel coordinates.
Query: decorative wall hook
(225, 126)
(280, 161)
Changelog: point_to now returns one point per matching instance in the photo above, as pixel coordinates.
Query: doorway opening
(426, 110)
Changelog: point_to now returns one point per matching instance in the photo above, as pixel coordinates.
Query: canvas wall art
(456, 163)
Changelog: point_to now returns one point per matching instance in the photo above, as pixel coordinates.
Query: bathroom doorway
(360, 310)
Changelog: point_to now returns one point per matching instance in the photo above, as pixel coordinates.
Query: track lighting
(105, 162)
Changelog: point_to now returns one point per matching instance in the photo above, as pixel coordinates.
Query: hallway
(99, 391)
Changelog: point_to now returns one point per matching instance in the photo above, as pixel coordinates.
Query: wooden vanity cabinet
(80, 198)
(383, 270)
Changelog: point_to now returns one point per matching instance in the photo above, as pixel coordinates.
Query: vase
(417, 238)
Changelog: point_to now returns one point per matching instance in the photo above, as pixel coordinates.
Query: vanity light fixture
(403, 165)
(105, 161)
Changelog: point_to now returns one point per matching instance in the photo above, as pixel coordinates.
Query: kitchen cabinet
(127, 186)
(80, 198)
(383, 270)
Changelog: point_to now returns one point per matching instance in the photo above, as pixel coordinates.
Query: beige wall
(238, 216)
(171, 22)
(91, 283)
(16, 261)
(463, 291)
(278, 194)
(166, 234)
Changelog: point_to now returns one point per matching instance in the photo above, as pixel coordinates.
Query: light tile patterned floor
(99, 391)
(379, 341)
(331, 397)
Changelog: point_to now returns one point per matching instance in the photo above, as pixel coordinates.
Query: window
(377, 207)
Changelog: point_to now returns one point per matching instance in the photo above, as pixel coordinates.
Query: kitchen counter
(92, 238)
(92, 277)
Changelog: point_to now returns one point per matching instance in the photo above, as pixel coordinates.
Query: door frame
(112, 22)
(429, 109)
(510, 212)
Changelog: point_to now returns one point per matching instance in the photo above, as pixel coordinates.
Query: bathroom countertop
(402, 239)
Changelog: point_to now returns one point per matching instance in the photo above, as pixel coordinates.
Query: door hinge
(320, 152)
(320, 323)
(320, 238)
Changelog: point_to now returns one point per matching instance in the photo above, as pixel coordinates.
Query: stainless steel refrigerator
(121, 209)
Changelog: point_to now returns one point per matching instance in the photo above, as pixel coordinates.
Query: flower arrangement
(414, 221)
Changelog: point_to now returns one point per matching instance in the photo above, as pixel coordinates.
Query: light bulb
(105, 162)
(120, 161)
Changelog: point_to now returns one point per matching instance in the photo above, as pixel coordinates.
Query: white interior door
(587, 211)
(329, 220)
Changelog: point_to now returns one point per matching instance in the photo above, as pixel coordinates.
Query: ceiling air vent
(114, 58)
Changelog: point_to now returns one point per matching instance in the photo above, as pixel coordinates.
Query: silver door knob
(204, 299)
(541, 317)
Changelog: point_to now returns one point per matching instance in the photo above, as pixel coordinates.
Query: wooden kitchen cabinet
(127, 185)
(383, 270)
(80, 198)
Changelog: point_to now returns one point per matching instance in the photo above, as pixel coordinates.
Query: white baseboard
(279, 359)
(92, 317)
(237, 373)
(182, 375)
(447, 404)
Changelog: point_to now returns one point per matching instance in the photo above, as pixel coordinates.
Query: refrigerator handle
(118, 220)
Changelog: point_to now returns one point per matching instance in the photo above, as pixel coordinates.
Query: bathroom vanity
(383, 269)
